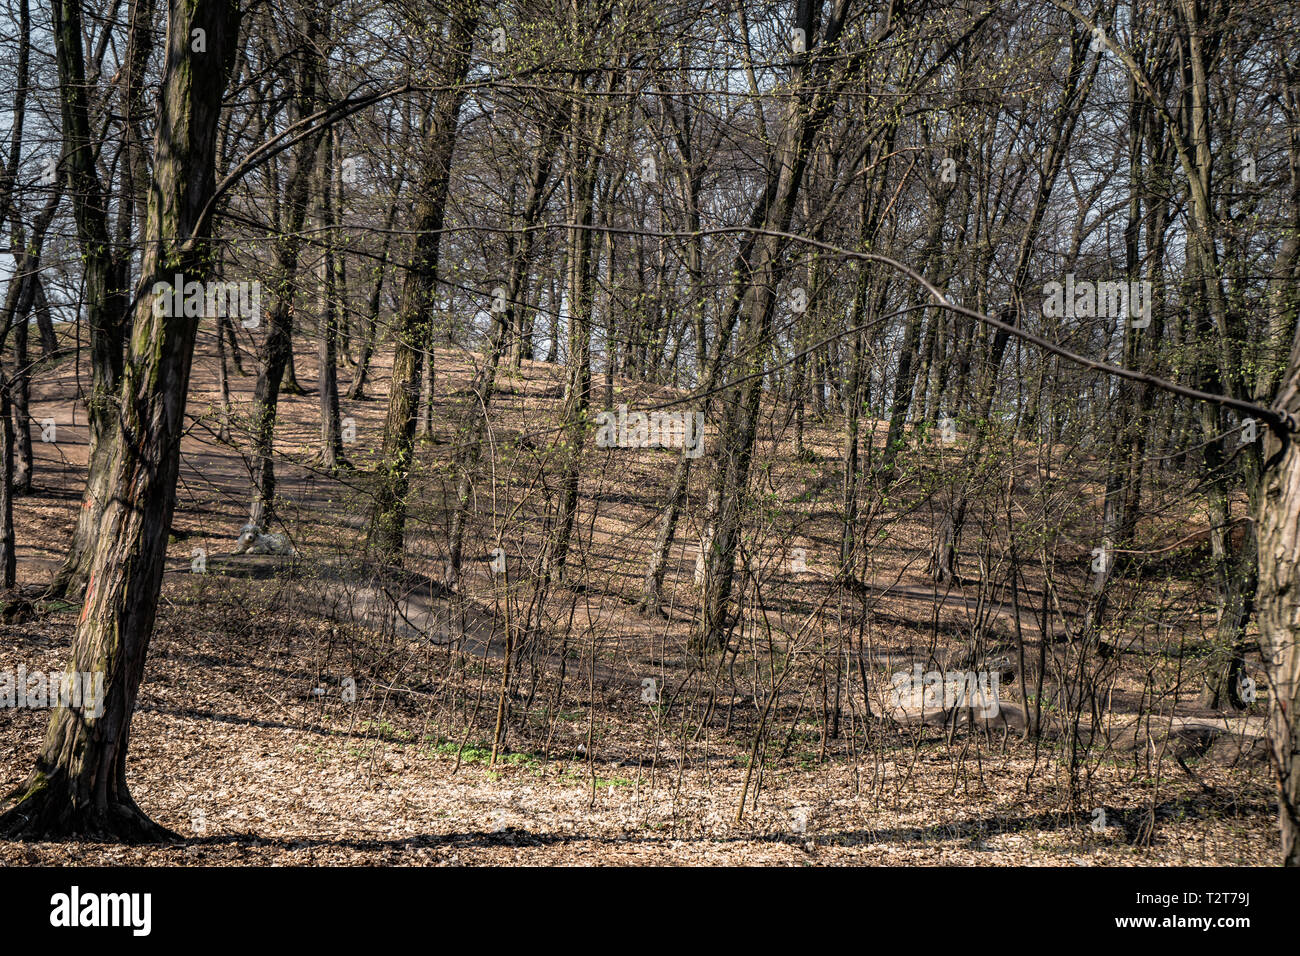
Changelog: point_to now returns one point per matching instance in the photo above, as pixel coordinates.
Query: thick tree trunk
(289, 384)
(79, 784)
(1277, 519)
(1277, 526)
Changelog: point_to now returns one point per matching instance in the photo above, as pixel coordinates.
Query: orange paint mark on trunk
(85, 602)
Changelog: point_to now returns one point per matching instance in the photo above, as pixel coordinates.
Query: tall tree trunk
(754, 294)
(582, 162)
(277, 347)
(1277, 519)
(21, 417)
(106, 302)
(388, 527)
(331, 431)
(79, 784)
(8, 552)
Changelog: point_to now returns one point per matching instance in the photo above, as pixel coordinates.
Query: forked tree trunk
(78, 787)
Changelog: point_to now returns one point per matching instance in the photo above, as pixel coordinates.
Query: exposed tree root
(46, 810)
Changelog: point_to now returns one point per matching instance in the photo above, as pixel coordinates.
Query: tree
(79, 784)
(107, 264)
(388, 529)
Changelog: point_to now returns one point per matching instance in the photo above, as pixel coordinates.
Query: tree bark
(78, 787)
(1277, 518)
(388, 527)
(331, 430)
(106, 303)
(277, 348)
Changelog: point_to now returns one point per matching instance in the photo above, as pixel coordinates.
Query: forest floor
(244, 743)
